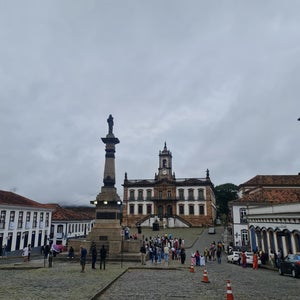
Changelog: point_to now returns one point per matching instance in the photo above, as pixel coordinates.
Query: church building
(167, 200)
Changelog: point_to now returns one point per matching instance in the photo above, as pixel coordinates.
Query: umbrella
(55, 248)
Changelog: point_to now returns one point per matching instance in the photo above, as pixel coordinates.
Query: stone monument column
(107, 228)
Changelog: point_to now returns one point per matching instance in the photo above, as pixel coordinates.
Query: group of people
(256, 256)
(94, 253)
(162, 248)
(166, 247)
(276, 258)
(211, 253)
(243, 260)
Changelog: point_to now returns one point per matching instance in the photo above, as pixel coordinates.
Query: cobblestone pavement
(181, 284)
(178, 282)
(64, 280)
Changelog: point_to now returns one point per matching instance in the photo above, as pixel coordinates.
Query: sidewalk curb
(100, 292)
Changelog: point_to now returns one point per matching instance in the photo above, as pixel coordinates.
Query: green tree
(225, 193)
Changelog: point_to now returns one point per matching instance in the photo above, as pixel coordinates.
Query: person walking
(219, 251)
(197, 256)
(182, 256)
(166, 254)
(25, 254)
(143, 254)
(279, 257)
(94, 255)
(255, 261)
(206, 253)
(46, 251)
(29, 251)
(103, 254)
(244, 260)
(272, 258)
(83, 254)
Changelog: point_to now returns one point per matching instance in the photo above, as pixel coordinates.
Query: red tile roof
(68, 214)
(10, 198)
(272, 195)
(276, 189)
(88, 211)
(271, 180)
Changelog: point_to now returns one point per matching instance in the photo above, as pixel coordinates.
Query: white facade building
(70, 223)
(267, 215)
(22, 222)
(240, 225)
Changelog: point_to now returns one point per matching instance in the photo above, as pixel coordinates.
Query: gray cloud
(218, 81)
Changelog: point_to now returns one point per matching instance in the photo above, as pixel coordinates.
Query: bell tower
(165, 163)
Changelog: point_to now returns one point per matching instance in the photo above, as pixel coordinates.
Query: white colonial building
(22, 222)
(267, 214)
(70, 222)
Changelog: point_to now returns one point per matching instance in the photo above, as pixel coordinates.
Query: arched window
(181, 194)
(169, 210)
(191, 194)
(191, 209)
(149, 194)
(131, 195)
(244, 237)
(60, 229)
(181, 209)
(243, 215)
(200, 194)
(201, 209)
(140, 195)
(160, 211)
(164, 162)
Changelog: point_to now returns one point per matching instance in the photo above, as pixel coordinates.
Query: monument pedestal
(107, 233)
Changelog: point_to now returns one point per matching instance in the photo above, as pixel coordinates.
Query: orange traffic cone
(229, 291)
(205, 276)
(192, 270)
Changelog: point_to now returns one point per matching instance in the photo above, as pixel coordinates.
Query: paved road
(179, 283)
(65, 281)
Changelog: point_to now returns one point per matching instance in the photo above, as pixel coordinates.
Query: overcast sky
(218, 81)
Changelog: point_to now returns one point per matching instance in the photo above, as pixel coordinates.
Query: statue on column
(110, 122)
